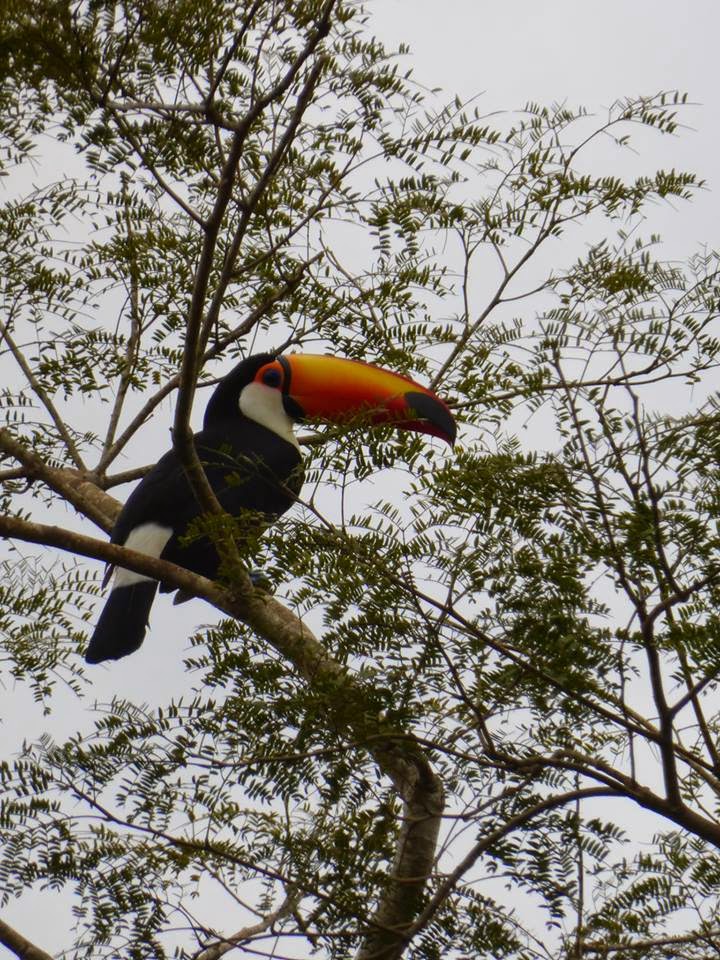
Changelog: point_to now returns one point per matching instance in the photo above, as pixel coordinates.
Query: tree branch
(230, 52)
(87, 498)
(133, 342)
(18, 945)
(469, 860)
(226, 944)
(243, 328)
(681, 815)
(401, 760)
(193, 343)
(665, 716)
(643, 946)
(254, 198)
(197, 331)
(137, 145)
(43, 397)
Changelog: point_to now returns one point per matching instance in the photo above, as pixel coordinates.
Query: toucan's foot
(260, 580)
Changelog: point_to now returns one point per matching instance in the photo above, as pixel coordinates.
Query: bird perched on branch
(252, 461)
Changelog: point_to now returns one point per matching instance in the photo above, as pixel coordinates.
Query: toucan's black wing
(255, 474)
(249, 467)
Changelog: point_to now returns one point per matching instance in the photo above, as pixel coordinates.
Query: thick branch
(401, 760)
(665, 716)
(219, 949)
(87, 498)
(682, 815)
(18, 945)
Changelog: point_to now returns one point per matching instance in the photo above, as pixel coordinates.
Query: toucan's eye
(272, 377)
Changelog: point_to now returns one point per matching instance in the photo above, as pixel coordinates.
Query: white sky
(586, 53)
(579, 52)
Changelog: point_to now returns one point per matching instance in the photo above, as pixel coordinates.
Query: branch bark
(18, 945)
(397, 754)
(73, 485)
(226, 944)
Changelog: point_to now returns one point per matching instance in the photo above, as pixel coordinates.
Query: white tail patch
(264, 405)
(149, 538)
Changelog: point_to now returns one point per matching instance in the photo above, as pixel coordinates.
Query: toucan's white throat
(264, 405)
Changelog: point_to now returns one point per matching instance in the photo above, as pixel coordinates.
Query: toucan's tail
(122, 624)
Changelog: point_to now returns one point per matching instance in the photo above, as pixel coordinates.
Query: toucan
(252, 461)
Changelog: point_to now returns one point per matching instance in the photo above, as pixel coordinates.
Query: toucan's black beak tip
(435, 412)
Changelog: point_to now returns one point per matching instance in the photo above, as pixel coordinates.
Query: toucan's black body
(256, 476)
(250, 469)
(253, 465)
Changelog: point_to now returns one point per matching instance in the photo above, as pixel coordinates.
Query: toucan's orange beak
(338, 390)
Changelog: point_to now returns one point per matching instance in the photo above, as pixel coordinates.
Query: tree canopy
(431, 737)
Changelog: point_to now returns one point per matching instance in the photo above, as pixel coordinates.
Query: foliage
(533, 620)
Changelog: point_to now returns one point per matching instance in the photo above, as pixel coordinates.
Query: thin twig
(43, 397)
(137, 145)
(231, 51)
(251, 203)
(135, 331)
(232, 336)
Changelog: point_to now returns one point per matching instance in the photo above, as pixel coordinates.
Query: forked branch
(397, 754)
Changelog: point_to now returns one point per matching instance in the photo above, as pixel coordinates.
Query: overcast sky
(559, 50)
(580, 52)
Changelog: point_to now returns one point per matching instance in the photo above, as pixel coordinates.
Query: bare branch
(680, 814)
(682, 595)
(18, 945)
(219, 949)
(87, 498)
(197, 333)
(403, 762)
(694, 690)
(17, 473)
